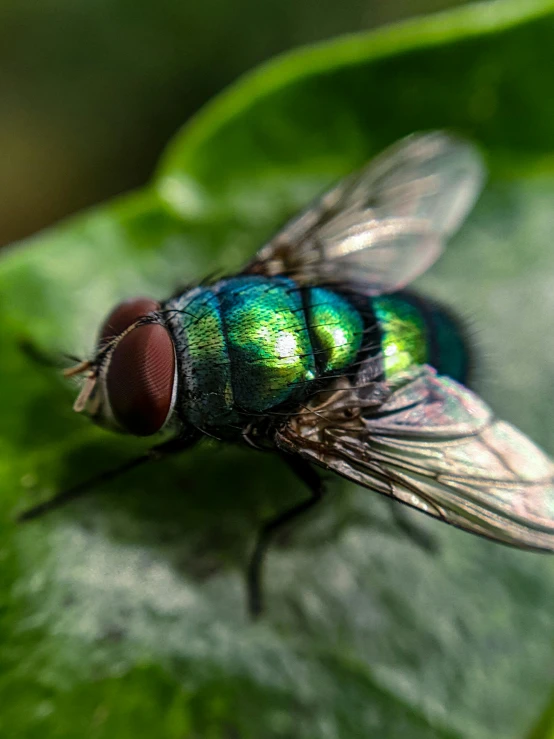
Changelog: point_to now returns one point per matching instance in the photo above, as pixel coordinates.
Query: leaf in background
(124, 614)
(544, 728)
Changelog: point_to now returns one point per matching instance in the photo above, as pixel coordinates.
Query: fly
(317, 351)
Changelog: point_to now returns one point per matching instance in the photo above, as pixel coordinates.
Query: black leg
(271, 527)
(44, 359)
(172, 446)
(420, 537)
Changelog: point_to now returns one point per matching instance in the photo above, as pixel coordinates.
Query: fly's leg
(270, 528)
(42, 358)
(172, 446)
(418, 535)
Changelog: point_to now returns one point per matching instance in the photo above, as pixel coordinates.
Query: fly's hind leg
(270, 528)
(417, 534)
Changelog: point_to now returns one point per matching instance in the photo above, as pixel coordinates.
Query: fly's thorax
(132, 382)
(195, 321)
(249, 344)
(416, 331)
(267, 339)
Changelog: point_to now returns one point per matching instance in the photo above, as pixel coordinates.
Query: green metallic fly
(316, 351)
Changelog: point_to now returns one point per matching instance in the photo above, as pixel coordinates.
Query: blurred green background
(91, 92)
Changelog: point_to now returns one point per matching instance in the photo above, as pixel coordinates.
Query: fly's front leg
(172, 446)
(270, 528)
(42, 358)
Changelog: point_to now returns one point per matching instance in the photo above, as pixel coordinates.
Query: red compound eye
(124, 315)
(140, 378)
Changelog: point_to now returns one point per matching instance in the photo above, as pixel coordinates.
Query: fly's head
(131, 384)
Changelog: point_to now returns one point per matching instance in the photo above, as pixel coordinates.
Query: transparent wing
(434, 445)
(385, 225)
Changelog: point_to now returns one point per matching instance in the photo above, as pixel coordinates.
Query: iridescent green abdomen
(416, 331)
(403, 336)
(249, 344)
(336, 329)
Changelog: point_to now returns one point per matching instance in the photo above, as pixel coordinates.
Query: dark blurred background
(91, 92)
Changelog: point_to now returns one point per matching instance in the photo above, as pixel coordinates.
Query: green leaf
(544, 728)
(124, 614)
